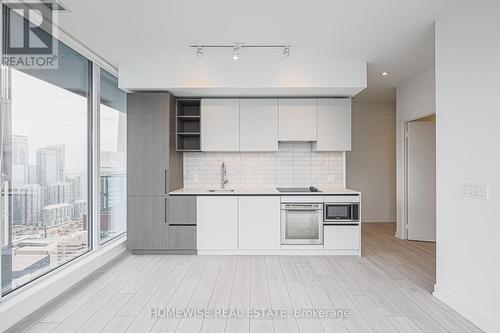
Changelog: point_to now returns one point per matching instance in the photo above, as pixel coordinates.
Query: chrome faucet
(223, 175)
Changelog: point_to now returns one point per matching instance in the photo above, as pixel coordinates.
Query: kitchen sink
(222, 190)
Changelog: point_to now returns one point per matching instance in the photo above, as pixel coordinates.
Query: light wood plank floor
(387, 290)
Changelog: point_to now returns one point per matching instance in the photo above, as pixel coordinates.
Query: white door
(259, 124)
(421, 170)
(259, 222)
(220, 124)
(217, 222)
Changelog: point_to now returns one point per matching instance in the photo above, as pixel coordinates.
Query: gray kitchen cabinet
(182, 210)
(182, 238)
(147, 223)
(148, 157)
(148, 106)
(154, 169)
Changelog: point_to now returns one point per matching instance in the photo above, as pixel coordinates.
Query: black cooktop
(298, 189)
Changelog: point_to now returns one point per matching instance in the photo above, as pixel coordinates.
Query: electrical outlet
(259, 178)
(331, 178)
(196, 178)
(476, 191)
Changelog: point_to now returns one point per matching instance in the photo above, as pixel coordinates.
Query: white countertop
(326, 190)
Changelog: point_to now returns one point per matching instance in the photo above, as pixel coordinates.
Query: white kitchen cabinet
(334, 125)
(341, 237)
(258, 125)
(217, 222)
(298, 119)
(259, 222)
(220, 123)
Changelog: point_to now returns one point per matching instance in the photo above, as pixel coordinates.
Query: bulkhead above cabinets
(258, 124)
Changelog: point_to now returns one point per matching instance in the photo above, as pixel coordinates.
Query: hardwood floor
(387, 290)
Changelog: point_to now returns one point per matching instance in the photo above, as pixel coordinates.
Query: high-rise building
(75, 184)
(54, 215)
(32, 177)
(47, 166)
(61, 155)
(59, 193)
(79, 209)
(19, 160)
(27, 204)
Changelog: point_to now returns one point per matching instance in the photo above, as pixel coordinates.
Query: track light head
(286, 51)
(236, 51)
(199, 51)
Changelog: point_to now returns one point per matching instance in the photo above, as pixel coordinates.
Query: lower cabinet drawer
(341, 237)
(182, 237)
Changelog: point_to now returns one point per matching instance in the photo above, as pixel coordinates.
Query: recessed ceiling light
(384, 73)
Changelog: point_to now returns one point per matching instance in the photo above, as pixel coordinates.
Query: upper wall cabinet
(297, 119)
(258, 125)
(220, 122)
(334, 125)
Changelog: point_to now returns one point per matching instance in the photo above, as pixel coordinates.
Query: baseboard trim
(162, 251)
(379, 220)
(280, 252)
(465, 310)
(21, 303)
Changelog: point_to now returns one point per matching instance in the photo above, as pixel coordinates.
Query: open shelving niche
(188, 118)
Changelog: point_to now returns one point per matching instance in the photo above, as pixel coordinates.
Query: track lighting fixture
(237, 47)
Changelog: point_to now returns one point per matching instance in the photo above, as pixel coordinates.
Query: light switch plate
(476, 191)
(196, 178)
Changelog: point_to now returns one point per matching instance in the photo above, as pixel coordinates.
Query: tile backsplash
(294, 164)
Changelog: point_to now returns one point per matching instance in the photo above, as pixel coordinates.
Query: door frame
(405, 170)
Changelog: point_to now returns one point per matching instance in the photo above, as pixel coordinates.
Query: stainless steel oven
(301, 223)
(341, 213)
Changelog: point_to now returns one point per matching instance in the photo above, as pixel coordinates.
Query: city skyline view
(49, 167)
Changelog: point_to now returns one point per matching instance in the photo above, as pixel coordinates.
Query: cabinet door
(297, 119)
(341, 237)
(147, 157)
(217, 222)
(182, 210)
(259, 223)
(147, 224)
(148, 106)
(220, 122)
(258, 125)
(334, 125)
(182, 237)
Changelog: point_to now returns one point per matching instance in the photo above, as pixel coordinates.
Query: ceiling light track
(237, 47)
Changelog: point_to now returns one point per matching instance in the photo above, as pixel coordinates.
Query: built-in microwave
(341, 213)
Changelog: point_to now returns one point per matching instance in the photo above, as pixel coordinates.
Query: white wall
(468, 151)
(415, 99)
(371, 165)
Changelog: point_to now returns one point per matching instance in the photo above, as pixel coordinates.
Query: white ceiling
(390, 35)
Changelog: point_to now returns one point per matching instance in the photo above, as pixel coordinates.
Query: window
(45, 169)
(46, 166)
(113, 159)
